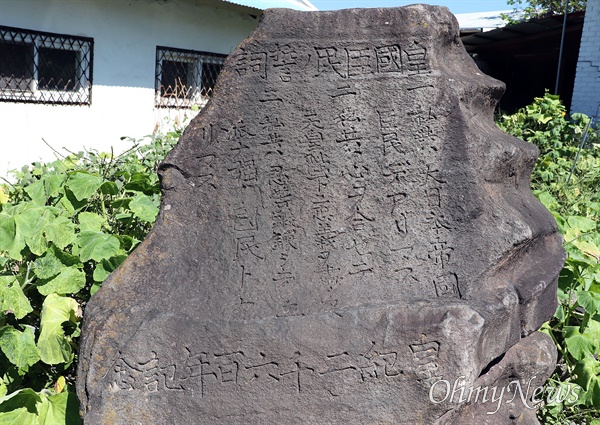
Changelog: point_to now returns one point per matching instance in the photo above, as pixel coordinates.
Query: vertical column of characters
(284, 233)
(426, 127)
(351, 136)
(318, 172)
(399, 170)
(243, 169)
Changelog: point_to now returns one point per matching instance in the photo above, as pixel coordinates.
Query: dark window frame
(199, 70)
(48, 67)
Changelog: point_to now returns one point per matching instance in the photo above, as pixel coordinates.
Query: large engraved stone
(342, 227)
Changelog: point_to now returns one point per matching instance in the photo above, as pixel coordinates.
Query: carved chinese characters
(338, 233)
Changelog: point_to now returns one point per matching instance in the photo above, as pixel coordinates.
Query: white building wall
(586, 93)
(125, 35)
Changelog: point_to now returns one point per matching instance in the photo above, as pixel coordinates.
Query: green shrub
(566, 179)
(543, 123)
(64, 226)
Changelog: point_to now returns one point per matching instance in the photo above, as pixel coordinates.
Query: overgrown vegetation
(64, 226)
(528, 9)
(567, 181)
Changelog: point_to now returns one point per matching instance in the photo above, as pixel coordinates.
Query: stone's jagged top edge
(362, 9)
(348, 23)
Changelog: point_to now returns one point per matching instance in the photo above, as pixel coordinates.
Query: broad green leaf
(587, 371)
(548, 200)
(128, 243)
(580, 345)
(94, 288)
(578, 258)
(52, 344)
(8, 230)
(18, 416)
(53, 184)
(97, 246)
(62, 408)
(12, 298)
(31, 224)
(583, 224)
(590, 301)
(560, 313)
(124, 217)
(121, 203)
(83, 185)
(90, 222)
(100, 273)
(38, 225)
(70, 280)
(53, 263)
(48, 266)
(20, 407)
(106, 267)
(64, 257)
(109, 188)
(588, 248)
(37, 192)
(544, 120)
(61, 231)
(12, 238)
(143, 182)
(65, 203)
(75, 250)
(19, 347)
(571, 234)
(143, 208)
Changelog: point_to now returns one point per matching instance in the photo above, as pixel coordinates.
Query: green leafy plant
(565, 169)
(64, 226)
(566, 180)
(528, 9)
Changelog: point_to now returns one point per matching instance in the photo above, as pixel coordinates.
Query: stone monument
(345, 237)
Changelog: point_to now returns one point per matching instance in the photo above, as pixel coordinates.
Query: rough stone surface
(505, 394)
(342, 226)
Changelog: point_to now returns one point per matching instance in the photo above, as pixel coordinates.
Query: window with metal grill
(43, 67)
(185, 78)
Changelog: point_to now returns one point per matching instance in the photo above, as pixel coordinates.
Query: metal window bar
(185, 78)
(41, 67)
